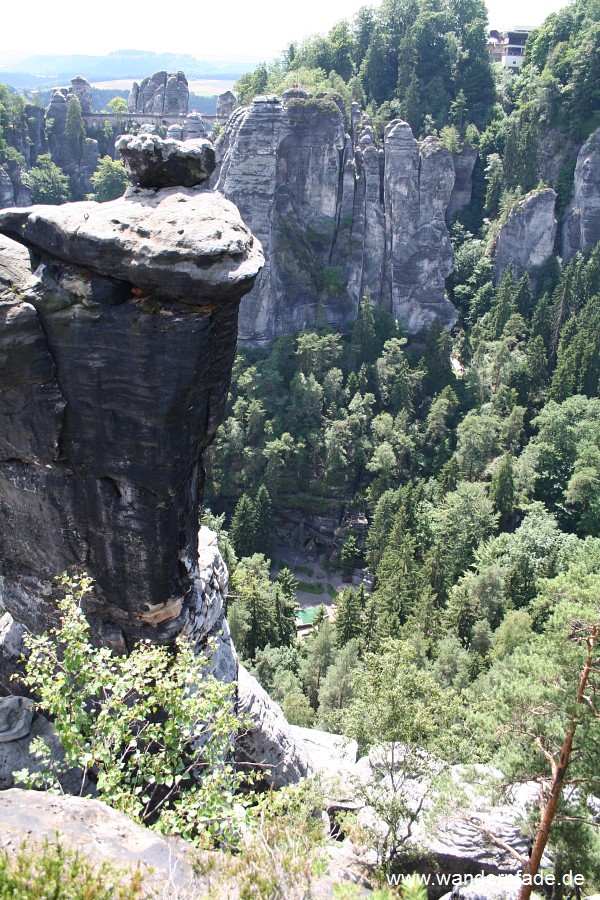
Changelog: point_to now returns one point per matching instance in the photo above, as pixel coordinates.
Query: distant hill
(46, 71)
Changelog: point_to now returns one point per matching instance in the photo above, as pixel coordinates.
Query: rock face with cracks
(337, 215)
(581, 228)
(118, 331)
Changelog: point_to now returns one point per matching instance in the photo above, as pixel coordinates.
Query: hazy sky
(235, 28)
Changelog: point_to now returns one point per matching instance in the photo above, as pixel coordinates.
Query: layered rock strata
(581, 228)
(526, 240)
(118, 330)
(337, 215)
(118, 334)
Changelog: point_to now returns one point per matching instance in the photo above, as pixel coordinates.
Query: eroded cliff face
(581, 228)
(119, 329)
(337, 215)
(526, 240)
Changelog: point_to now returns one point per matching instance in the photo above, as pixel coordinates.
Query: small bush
(53, 873)
(152, 730)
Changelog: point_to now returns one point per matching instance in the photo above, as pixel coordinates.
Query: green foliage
(110, 180)
(282, 850)
(350, 555)
(51, 872)
(405, 58)
(152, 730)
(47, 182)
(117, 106)
(74, 128)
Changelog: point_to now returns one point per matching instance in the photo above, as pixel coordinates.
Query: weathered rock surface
(464, 163)
(488, 887)
(81, 160)
(468, 836)
(118, 350)
(82, 89)
(336, 215)
(177, 243)
(418, 182)
(194, 128)
(270, 744)
(527, 237)
(163, 93)
(16, 716)
(102, 835)
(156, 163)
(581, 227)
(117, 343)
(7, 194)
(16, 754)
(11, 650)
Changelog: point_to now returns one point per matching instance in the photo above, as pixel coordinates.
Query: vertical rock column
(118, 342)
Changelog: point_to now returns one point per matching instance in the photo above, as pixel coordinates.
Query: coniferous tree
(264, 521)
(243, 529)
(349, 556)
(348, 617)
(502, 490)
(285, 607)
(363, 332)
(74, 128)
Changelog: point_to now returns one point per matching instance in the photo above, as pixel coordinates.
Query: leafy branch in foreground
(152, 731)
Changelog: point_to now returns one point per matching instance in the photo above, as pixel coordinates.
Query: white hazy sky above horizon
(258, 29)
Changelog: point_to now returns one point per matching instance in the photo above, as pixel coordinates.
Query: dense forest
(475, 453)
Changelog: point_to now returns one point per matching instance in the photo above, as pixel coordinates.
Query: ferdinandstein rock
(336, 215)
(527, 237)
(118, 343)
(82, 89)
(581, 227)
(153, 162)
(118, 349)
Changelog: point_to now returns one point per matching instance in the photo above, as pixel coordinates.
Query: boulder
(180, 244)
(527, 237)
(102, 835)
(16, 716)
(581, 228)
(16, 752)
(487, 887)
(152, 162)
